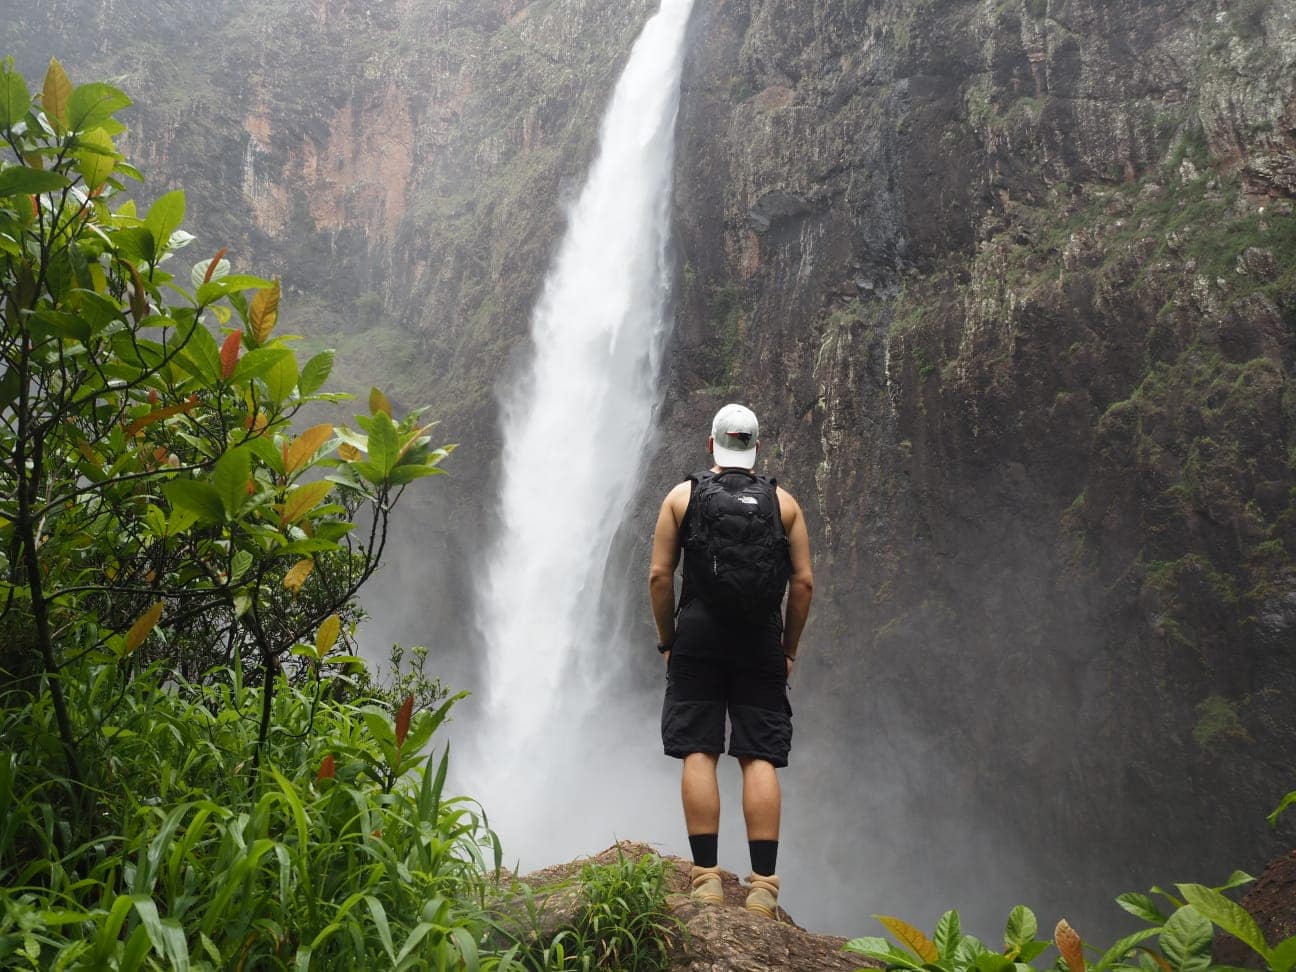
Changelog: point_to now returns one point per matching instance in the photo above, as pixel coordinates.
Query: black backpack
(735, 551)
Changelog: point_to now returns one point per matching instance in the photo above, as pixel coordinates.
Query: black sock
(764, 856)
(705, 848)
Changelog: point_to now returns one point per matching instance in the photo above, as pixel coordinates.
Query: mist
(961, 707)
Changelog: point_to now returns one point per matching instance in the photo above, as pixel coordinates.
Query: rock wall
(1012, 286)
(1010, 283)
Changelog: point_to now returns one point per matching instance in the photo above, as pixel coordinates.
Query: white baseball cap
(735, 431)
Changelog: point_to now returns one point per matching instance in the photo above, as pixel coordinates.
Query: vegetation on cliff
(197, 772)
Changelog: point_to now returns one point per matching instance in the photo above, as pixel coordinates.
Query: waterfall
(576, 428)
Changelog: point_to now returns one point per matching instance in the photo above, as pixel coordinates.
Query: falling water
(575, 429)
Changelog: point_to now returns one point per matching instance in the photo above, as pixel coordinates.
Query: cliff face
(1010, 282)
(1013, 286)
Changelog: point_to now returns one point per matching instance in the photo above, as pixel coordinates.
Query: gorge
(1011, 285)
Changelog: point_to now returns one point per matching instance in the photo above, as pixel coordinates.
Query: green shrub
(622, 923)
(342, 854)
(1184, 936)
(197, 771)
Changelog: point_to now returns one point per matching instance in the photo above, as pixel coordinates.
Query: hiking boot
(706, 885)
(763, 897)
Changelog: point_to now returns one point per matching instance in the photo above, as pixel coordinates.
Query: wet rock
(1257, 262)
(777, 209)
(711, 938)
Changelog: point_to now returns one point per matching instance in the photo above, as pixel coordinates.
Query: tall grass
(344, 852)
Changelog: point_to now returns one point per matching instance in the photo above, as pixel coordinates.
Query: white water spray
(576, 429)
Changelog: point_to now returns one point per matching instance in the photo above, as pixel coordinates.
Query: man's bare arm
(801, 583)
(665, 558)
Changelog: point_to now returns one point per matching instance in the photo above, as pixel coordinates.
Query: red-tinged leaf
(1068, 943)
(264, 312)
(141, 628)
(296, 577)
(211, 267)
(302, 500)
(56, 94)
(296, 453)
(327, 770)
(229, 354)
(153, 396)
(157, 415)
(327, 635)
(403, 719)
(911, 937)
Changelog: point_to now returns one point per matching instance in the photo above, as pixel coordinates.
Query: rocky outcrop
(708, 938)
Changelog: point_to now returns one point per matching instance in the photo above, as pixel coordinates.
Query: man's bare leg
(701, 793)
(762, 799)
(762, 803)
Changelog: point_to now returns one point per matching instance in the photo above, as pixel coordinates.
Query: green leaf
(1186, 940)
(257, 362)
(199, 271)
(380, 726)
(239, 565)
(164, 217)
(10, 386)
(1141, 906)
(1021, 927)
(97, 160)
(967, 950)
(197, 499)
(1031, 951)
(947, 934)
(1228, 914)
(1287, 801)
(384, 445)
(230, 477)
(265, 450)
(167, 936)
(15, 99)
(993, 962)
(181, 520)
(97, 310)
(1236, 880)
(281, 379)
(18, 180)
(92, 104)
(228, 286)
(1121, 947)
(200, 356)
(1282, 957)
(316, 372)
(134, 243)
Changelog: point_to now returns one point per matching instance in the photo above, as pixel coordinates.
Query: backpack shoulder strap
(697, 479)
(772, 483)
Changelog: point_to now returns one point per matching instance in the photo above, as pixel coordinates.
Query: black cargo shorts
(720, 668)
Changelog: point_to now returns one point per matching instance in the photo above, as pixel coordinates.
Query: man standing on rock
(730, 646)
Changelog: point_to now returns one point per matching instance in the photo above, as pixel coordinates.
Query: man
(730, 654)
